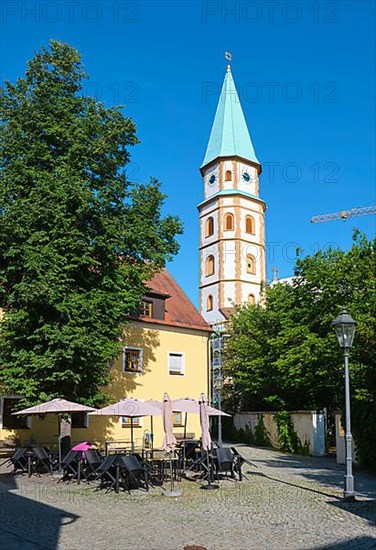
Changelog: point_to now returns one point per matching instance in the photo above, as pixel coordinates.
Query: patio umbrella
(189, 405)
(206, 441)
(169, 441)
(55, 406)
(83, 446)
(131, 408)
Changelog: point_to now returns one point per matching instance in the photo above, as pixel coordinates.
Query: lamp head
(344, 326)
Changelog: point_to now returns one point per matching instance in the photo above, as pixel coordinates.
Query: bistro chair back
(106, 472)
(70, 465)
(42, 460)
(188, 453)
(93, 457)
(93, 461)
(136, 473)
(19, 461)
(225, 461)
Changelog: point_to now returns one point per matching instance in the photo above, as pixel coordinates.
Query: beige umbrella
(189, 405)
(169, 442)
(206, 441)
(57, 406)
(132, 408)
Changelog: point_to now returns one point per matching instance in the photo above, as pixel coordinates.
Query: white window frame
(182, 355)
(181, 423)
(141, 361)
(139, 425)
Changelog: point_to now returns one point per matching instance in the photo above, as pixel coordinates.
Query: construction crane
(361, 211)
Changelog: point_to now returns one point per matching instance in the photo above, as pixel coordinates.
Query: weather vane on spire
(228, 56)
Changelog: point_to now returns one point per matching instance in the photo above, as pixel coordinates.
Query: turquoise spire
(229, 136)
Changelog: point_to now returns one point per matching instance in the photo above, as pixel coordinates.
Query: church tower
(232, 215)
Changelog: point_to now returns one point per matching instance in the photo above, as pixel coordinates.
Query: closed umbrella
(169, 441)
(206, 441)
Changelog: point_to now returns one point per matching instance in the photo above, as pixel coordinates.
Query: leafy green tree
(284, 355)
(77, 240)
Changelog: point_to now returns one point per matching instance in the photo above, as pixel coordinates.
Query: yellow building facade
(165, 349)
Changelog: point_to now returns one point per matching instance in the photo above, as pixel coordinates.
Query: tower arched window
(250, 225)
(209, 227)
(229, 222)
(251, 264)
(210, 266)
(209, 303)
(251, 299)
(228, 176)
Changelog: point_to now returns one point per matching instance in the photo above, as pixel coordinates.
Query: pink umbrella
(83, 446)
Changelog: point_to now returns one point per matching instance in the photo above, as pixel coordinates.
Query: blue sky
(305, 73)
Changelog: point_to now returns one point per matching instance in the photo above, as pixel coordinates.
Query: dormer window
(146, 308)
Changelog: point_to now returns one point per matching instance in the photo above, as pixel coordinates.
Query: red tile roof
(179, 310)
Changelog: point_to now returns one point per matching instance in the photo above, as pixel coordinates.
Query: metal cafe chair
(136, 474)
(20, 461)
(93, 460)
(108, 473)
(43, 461)
(71, 466)
(224, 462)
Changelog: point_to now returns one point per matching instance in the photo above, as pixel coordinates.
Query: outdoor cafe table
(162, 463)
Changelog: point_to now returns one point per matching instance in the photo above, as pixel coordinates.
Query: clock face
(246, 177)
(212, 180)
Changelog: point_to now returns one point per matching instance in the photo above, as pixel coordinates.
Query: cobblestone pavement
(286, 502)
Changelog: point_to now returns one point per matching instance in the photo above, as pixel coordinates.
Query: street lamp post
(344, 326)
(219, 388)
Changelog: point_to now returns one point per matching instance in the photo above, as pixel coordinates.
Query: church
(232, 214)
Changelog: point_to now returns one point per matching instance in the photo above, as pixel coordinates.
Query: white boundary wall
(309, 426)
